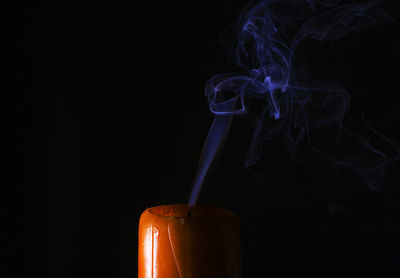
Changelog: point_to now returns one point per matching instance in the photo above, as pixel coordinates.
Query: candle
(180, 241)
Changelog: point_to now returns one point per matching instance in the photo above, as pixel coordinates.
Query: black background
(110, 119)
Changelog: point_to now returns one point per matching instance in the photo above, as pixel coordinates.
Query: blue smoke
(293, 104)
(214, 142)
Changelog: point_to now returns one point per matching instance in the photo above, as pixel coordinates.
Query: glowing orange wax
(173, 244)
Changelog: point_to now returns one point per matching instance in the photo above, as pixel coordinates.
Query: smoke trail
(214, 142)
(294, 104)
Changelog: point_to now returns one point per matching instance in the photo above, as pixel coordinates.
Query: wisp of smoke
(294, 103)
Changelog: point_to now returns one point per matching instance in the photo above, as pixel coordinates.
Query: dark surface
(110, 118)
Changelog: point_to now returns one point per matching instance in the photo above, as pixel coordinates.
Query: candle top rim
(196, 212)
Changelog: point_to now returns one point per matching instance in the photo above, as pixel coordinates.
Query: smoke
(214, 142)
(290, 100)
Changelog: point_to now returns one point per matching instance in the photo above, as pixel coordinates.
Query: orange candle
(179, 241)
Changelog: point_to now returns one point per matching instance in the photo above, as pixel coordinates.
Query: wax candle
(179, 241)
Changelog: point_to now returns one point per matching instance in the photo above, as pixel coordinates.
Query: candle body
(173, 244)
